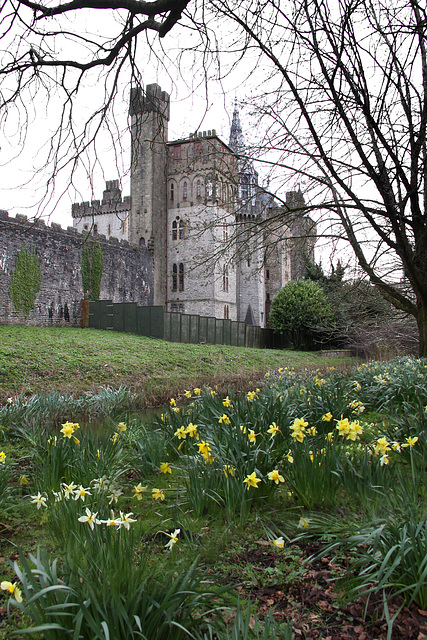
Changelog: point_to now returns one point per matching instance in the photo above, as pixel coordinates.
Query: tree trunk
(422, 328)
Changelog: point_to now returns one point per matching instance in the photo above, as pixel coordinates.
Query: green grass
(35, 360)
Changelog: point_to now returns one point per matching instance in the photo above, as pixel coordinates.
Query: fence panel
(194, 329)
(175, 327)
(106, 314)
(185, 328)
(130, 320)
(227, 332)
(211, 330)
(94, 314)
(219, 331)
(167, 325)
(203, 329)
(119, 316)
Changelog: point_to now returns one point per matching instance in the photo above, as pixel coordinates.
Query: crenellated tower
(149, 113)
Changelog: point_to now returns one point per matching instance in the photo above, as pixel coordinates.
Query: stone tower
(148, 219)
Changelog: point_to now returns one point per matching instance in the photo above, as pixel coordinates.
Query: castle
(221, 245)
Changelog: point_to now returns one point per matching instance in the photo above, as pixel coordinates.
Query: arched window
(226, 312)
(95, 228)
(199, 189)
(172, 191)
(174, 230)
(181, 229)
(184, 191)
(174, 277)
(225, 278)
(142, 242)
(181, 276)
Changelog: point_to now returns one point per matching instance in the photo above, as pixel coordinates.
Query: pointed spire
(237, 141)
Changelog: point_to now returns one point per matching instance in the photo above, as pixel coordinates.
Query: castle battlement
(112, 202)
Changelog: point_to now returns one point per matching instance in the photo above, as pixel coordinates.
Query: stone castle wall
(127, 273)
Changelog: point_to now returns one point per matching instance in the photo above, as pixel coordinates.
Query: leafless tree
(343, 107)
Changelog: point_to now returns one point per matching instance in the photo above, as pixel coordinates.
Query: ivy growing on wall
(92, 268)
(25, 281)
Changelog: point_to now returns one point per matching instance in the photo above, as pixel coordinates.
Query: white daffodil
(90, 518)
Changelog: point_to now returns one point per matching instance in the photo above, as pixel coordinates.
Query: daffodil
(251, 395)
(68, 489)
(138, 490)
(273, 429)
(382, 446)
(81, 493)
(279, 542)
(158, 494)
(298, 429)
(23, 480)
(121, 427)
(226, 402)
(173, 538)
(187, 394)
(39, 500)
(275, 476)
(224, 419)
(410, 442)
(181, 433)
(355, 431)
(2, 457)
(191, 430)
(112, 521)
(90, 518)
(175, 409)
(396, 446)
(252, 480)
(289, 457)
(114, 438)
(67, 429)
(165, 468)
(303, 523)
(327, 417)
(172, 402)
(343, 427)
(384, 460)
(312, 431)
(228, 470)
(252, 436)
(115, 495)
(126, 519)
(197, 391)
(12, 589)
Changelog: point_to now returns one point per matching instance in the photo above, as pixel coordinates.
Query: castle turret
(147, 224)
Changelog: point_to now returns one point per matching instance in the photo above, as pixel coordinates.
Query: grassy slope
(38, 360)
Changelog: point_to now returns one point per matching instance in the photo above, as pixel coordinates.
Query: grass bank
(37, 360)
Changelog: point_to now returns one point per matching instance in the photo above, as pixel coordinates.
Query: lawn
(292, 507)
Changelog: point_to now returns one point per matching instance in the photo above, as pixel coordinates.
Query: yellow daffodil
(343, 427)
(226, 402)
(204, 447)
(252, 436)
(181, 433)
(228, 470)
(251, 395)
(289, 457)
(2, 457)
(327, 417)
(312, 431)
(172, 402)
(191, 430)
(175, 409)
(273, 429)
(90, 518)
(187, 394)
(384, 460)
(197, 391)
(23, 480)
(279, 543)
(67, 429)
(138, 490)
(224, 419)
(355, 431)
(158, 494)
(252, 480)
(121, 427)
(381, 447)
(76, 440)
(114, 438)
(275, 476)
(165, 468)
(396, 447)
(410, 442)
(12, 589)
(213, 393)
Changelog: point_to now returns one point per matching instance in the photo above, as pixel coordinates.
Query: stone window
(225, 278)
(95, 228)
(178, 229)
(267, 274)
(181, 276)
(181, 229)
(175, 229)
(142, 242)
(177, 152)
(181, 308)
(226, 312)
(172, 191)
(184, 191)
(199, 189)
(174, 277)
